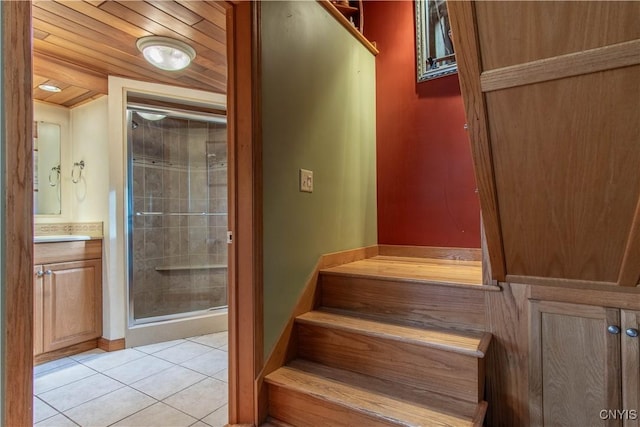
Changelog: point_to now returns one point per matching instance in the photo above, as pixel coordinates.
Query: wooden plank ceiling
(77, 44)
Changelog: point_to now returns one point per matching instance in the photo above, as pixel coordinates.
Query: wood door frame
(245, 211)
(245, 215)
(17, 243)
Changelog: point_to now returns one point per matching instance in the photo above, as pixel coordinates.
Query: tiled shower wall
(179, 260)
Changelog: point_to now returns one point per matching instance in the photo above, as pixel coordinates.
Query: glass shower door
(177, 223)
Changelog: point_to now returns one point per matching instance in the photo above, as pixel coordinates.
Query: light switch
(306, 181)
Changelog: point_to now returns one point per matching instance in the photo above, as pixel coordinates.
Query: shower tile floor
(174, 384)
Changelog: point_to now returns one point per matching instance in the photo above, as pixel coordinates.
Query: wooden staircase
(394, 341)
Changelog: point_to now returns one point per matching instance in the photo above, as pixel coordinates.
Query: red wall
(426, 184)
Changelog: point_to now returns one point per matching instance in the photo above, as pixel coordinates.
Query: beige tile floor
(171, 384)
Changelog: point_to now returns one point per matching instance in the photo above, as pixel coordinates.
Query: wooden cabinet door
(630, 368)
(72, 303)
(37, 310)
(574, 366)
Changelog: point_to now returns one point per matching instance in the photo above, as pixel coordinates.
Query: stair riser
(303, 410)
(410, 303)
(431, 369)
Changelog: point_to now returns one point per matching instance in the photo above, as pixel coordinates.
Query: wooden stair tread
(419, 270)
(468, 343)
(365, 401)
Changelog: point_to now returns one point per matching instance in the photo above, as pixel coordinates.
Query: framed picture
(435, 55)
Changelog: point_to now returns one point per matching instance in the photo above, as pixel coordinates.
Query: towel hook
(79, 166)
(55, 169)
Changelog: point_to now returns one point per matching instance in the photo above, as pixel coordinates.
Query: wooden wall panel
(566, 158)
(524, 31)
(558, 82)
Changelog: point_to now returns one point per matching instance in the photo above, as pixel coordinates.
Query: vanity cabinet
(67, 294)
(584, 365)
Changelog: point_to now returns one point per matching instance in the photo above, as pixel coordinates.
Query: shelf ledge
(331, 8)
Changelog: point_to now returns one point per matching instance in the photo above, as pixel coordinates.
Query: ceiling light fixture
(49, 88)
(165, 53)
(151, 116)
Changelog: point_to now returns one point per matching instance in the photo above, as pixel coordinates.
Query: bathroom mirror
(47, 173)
(435, 55)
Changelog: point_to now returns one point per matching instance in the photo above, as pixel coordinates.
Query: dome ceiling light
(166, 53)
(151, 116)
(50, 88)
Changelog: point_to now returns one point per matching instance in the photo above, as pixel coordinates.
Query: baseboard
(64, 352)
(111, 345)
(343, 257)
(460, 254)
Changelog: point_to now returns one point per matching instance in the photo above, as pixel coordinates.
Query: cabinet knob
(632, 332)
(39, 273)
(48, 272)
(613, 329)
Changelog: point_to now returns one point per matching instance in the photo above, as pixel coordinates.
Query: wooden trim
(630, 269)
(344, 257)
(67, 351)
(17, 185)
(630, 350)
(479, 415)
(535, 366)
(460, 254)
(558, 282)
(507, 362)
(333, 11)
(111, 345)
(284, 349)
(245, 211)
(487, 277)
(463, 24)
(569, 65)
(611, 297)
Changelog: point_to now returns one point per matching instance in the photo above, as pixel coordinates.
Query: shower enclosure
(177, 213)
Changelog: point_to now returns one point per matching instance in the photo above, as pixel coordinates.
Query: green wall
(318, 113)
